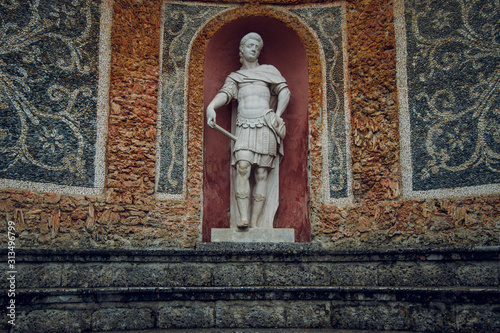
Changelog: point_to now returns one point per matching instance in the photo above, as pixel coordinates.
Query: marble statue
(262, 95)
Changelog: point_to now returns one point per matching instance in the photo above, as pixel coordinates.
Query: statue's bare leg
(243, 170)
(259, 193)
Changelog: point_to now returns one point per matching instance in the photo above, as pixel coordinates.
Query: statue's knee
(242, 194)
(259, 197)
(243, 168)
(261, 174)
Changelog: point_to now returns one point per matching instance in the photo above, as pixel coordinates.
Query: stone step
(105, 310)
(257, 288)
(253, 330)
(244, 266)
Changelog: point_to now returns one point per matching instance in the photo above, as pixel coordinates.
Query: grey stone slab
(433, 317)
(210, 252)
(229, 275)
(485, 274)
(298, 274)
(253, 235)
(96, 275)
(136, 275)
(39, 275)
(53, 320)
(313, 249)
(146, 275)
(187, 315)
(416, 274)
(371, 316)
(249, 314)
(308, 315)
(123, 319)
(348, 274)
(190, 275)
(472, 318)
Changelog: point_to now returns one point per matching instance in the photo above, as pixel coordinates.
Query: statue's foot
(243, 225)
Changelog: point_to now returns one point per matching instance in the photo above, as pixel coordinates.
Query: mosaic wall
(181, 23)
(453, 76)
(48, 90)
(327, 24)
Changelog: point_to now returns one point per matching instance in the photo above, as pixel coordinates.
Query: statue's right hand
(211, 117)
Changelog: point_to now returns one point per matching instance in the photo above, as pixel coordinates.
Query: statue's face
(251, 50)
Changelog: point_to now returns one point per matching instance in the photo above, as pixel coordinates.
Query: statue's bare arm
(283, 99)
(219, 100)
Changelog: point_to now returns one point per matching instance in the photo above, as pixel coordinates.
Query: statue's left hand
(277, 123)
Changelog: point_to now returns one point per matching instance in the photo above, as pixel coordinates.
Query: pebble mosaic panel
(326, 21)
(48, 91)
(452, 78)
(181, 24)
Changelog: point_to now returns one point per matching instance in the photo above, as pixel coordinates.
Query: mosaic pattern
(453, 77)
(48, 90)
(327, 24)
(181, 23)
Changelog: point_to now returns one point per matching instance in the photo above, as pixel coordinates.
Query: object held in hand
(223, 131)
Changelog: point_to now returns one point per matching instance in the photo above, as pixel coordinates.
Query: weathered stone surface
(354, 275)
(417, 274)
(308, 314)
(297, 274)
(433, 317)
(478, 275)
(249, 314)
(183, 289)
(96, 275)
(188, 276)
(39, 276)
(372, 316)
(53, 321)
(250, 274)
(478, 318)
(135, 275)
(123, 319)
(187, 315)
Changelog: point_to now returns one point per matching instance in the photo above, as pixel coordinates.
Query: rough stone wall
(128, 215)
(380, 216)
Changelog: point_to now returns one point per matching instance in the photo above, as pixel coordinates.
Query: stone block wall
(255, 287)
(93, 114)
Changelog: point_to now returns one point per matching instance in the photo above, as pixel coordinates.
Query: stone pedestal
(253, 235)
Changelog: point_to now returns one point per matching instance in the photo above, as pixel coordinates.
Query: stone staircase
(256, 288)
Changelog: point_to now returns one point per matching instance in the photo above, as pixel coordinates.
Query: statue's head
(252, 36)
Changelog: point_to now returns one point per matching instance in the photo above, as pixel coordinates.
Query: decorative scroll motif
(181, 23)
(453, 69)
(327, 23)
(48, 90)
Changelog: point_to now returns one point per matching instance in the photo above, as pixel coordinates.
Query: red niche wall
(283, 49)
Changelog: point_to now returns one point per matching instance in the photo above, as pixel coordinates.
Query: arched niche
(215, 49)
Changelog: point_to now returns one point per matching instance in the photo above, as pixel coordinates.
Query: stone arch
(202, 85)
